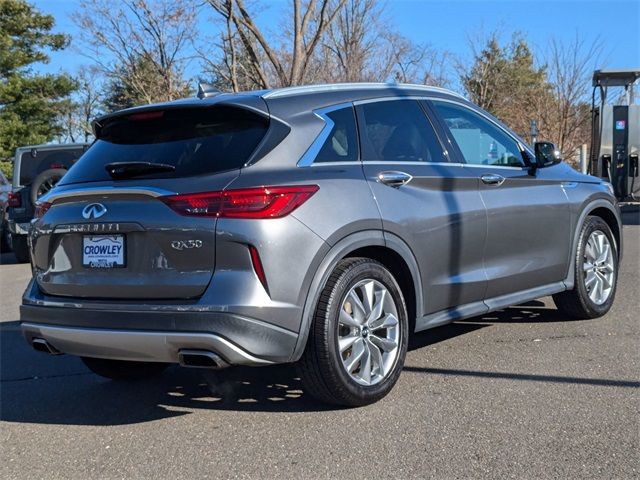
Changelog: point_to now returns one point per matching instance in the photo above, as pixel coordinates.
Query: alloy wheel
(598, 267)
(368, 332)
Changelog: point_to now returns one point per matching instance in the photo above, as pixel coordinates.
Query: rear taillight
(263, 202)
(41, 209)
(14, 200)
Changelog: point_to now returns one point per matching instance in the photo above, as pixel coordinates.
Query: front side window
(342, 143)
(480, 141)
(399, 131)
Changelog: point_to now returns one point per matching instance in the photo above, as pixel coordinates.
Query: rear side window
(480, 141)
(34, 161)
(196, 141)
(399, 131)
(342, 143)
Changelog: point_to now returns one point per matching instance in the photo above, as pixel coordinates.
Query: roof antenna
(206, 90)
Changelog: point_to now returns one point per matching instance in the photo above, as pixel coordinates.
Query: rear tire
(593, 269)
(354, 355)
(123, 370)
(20, 248)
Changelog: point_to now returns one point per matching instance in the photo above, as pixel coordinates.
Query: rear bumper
(157, 336)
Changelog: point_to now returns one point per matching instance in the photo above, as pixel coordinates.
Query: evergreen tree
(30, 104)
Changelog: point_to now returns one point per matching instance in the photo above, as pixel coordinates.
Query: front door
(529, 221)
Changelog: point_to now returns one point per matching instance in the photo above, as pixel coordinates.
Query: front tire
(596, 273)
(123, 370)
(358, 339)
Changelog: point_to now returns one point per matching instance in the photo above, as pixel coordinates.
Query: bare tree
(86, 105)
(273, 64)
(353, 40)
(120, 36)
(570, 66)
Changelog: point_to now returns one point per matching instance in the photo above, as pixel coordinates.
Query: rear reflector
(257, 266)
(263, 202)
(14, 200)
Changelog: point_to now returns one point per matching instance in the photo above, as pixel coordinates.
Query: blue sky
(447, 24)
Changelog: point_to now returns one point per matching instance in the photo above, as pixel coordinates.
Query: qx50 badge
(93, 210)
(186, 244)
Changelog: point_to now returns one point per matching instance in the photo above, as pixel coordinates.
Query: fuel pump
(615, 142)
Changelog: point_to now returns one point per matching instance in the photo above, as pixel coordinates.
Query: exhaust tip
(201, 359)
(41, 345)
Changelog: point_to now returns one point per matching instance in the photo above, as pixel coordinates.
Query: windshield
(195, 141)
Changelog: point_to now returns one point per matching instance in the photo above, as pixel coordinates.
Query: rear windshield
(34, 161)
(195, 141)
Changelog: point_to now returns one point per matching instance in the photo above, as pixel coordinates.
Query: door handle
(492, 179)
(394, 179)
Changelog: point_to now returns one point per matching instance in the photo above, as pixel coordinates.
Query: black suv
(36, 170)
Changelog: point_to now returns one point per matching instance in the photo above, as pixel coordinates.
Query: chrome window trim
(308, 159)
(91, 191)
(312, 152)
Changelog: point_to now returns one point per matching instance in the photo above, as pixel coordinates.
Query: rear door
(529, 222)
(112, 235)
(429, 202)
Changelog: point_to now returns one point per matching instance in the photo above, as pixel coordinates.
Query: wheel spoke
(605, 254)
(604, 280)
(600, 243)
(608, 267)
(376, 358)
(346, 342)
(365, 365)
(356, 354)
(359, 310)
(387, 321)
(368, 296)
(385, 344)
(378, 307)
(590, 251)
(591, 277)
(347, 320)
(587, 267)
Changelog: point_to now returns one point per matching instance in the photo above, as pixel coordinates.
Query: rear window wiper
(120, 170)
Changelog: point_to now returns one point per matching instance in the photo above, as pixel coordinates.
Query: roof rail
(332, 87)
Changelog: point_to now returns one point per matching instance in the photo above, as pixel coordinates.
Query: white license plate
(103, 251)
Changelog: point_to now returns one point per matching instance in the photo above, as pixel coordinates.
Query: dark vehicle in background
(36, 170)
(321, 225)
(5, 189)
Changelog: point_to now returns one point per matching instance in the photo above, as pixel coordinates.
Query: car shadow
(37, 388)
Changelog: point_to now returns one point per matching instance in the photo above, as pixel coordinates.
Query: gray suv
(321, 225)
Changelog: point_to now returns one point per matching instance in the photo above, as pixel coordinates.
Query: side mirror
(546, 154)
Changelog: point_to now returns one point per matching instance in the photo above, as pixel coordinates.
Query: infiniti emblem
(94, 210)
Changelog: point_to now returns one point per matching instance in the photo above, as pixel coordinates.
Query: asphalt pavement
(519, 393)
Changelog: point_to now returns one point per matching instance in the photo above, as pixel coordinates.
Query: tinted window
(195, 141)
(342, 143)
(398, 131)
(34, 162)
(480, 141)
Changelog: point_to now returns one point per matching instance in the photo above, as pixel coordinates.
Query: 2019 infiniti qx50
(322, 225)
